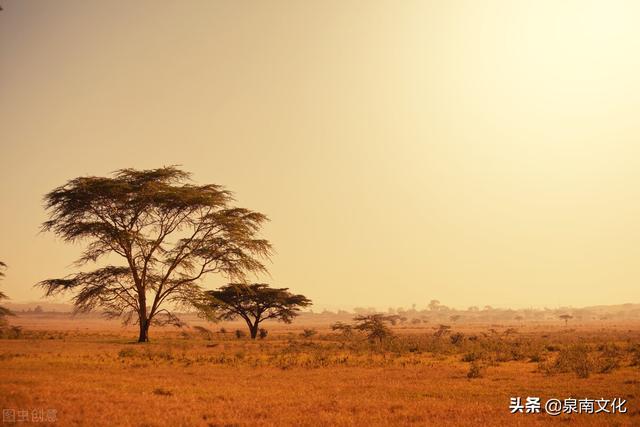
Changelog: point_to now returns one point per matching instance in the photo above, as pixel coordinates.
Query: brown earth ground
(91, 373)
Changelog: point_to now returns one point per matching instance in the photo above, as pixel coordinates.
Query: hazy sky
(475, 152)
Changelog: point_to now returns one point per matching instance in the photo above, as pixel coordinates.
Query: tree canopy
(255, 303)
(374, 325)
(167, 233)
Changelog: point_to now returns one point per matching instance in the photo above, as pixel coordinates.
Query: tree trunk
(144, 331)
(254, 331)
(142, 315)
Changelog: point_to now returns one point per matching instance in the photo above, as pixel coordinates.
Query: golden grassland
(98, 376)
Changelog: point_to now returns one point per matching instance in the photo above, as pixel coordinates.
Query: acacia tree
(167, 234)
(3, 311)
(375, 325)
(254, 303)
(566, 318)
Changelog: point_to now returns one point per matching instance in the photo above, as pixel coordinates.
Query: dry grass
(203, 377)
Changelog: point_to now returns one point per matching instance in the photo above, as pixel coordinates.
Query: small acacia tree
(167, 233)
(566, 318)
(4, 312)
(254, 303)
(375, 326)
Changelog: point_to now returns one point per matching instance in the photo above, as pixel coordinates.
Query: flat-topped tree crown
(167, 232)
(254, 303)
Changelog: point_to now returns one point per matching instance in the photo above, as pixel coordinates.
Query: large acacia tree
(255, 303)
(166, 232)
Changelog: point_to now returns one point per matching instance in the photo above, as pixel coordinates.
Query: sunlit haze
(470, 152)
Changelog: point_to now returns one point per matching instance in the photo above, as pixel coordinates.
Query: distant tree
(167, 232)
(4, 312)
(253, 303)
(375, 326)
(473, 308)
(38, 309)
(566, 318)
(455, 317)
(345, 328)
(434, 305)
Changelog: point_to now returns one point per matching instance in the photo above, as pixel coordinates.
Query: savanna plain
(92, 372)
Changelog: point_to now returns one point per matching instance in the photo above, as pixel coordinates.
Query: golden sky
(474, 152)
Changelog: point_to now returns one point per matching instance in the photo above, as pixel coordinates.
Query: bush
(127, 352)
(240, 334)
(262, 333)
(475, 371)
(162, 392)
(12, 332)
(471, 356)
(308, 333)
(575, 358)
(204, 332)
(457, 338)
(609, 358)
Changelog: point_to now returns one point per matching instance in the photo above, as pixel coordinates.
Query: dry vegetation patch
(458, 377)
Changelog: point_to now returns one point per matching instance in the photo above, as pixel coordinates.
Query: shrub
(12, 332)
(204, 332)
(609, 358)
(308, 333)
(262, 333)
(457, 338)
(127, 352)
(442, 330)
(240, 334)
(575, 358)
(162, 392)
(471, 356)
(344, 328)
(475, 371)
